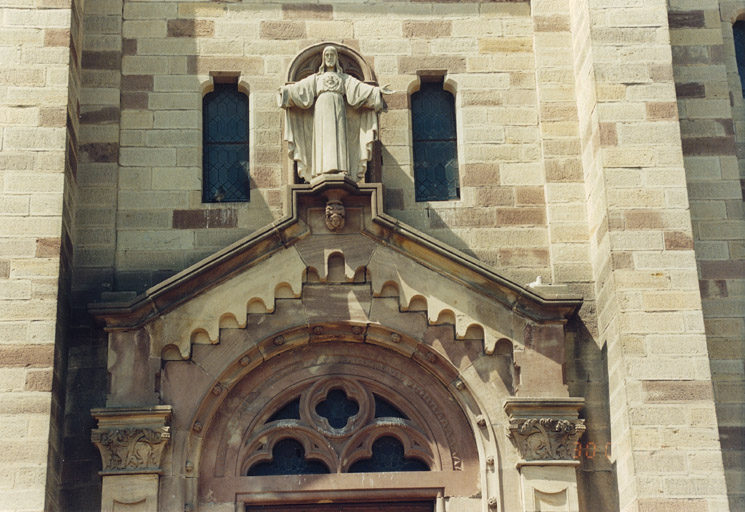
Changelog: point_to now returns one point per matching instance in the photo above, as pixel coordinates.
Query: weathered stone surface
(598, 145)
(195, 219)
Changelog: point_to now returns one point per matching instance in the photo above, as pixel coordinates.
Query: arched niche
(433, 422)
(308, 61)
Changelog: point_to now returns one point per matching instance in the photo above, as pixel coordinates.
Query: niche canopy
(308, 61)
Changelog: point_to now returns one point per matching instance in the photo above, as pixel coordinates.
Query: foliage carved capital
(131, 441)
(545, 431)
(132, 450)
(545, 438)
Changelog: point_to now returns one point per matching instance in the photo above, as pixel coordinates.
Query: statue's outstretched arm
(300, 94)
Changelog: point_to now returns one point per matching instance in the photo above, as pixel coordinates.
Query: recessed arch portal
(281, 404)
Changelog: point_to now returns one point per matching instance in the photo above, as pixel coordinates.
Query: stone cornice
(382, 228)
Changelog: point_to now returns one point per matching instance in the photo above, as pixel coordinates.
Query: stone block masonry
(174, 49)
(644, 268)
(600, 145)
(39, 85)
(709, 98)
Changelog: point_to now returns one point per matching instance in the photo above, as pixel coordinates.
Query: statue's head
(330, 60)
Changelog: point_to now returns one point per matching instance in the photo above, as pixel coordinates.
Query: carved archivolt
(545, 438)
(132, 450)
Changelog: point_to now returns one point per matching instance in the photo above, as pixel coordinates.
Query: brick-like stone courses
(711, 110)
(99, 147)
(169, 51)
(566, 210)
(649, 309)
(37, 160)
(501, 214)
(95, 221)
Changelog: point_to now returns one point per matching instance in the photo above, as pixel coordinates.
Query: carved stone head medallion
(335, 215)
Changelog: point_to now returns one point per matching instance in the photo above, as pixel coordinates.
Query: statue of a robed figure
(331, 120)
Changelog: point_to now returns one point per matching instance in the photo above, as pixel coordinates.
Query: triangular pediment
(336, 271)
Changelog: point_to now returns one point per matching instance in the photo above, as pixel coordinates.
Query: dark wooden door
(400, 506)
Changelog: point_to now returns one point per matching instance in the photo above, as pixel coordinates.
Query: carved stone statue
(331, 120)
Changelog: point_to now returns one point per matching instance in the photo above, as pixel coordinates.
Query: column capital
(132, 439)
(544, 430)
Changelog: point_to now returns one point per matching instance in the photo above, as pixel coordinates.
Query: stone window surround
(449, 85)
(207, 86)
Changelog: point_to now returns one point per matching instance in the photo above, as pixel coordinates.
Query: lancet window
(738, 31)
(435, 143)
(225, 145)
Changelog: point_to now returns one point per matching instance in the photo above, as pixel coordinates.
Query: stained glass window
(387, 455)
(347, 428)
(225, 145)
(738, 30)
(435, 144)
(385, 409)
(290, 411)
(337, 408)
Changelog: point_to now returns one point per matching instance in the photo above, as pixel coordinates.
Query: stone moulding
(131, 440)
(281, 239)
(545, 431)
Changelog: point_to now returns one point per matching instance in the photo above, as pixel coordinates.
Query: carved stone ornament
(132, 449)
(545, 438)
(131, 439)
(335, 214)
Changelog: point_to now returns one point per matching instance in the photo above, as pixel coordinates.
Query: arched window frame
(738, 34)
(216, 189)
(448, 187)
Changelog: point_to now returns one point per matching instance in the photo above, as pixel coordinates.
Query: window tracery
(337, 425)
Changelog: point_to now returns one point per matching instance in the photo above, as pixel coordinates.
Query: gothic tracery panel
(337, 425)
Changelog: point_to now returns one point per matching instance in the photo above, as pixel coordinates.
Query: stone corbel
(131, 440)
(545, 431)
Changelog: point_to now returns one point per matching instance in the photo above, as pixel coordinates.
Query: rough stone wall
(39, 85)
(710, 104)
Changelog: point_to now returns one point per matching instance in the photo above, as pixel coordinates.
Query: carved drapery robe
(331, 123)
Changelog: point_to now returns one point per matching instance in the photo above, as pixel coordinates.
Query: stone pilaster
(545, 432)
(131, 441)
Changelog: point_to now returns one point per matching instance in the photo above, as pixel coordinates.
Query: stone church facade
(164, 347)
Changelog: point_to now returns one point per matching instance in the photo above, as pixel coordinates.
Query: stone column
(131, 441)
(545, 432)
